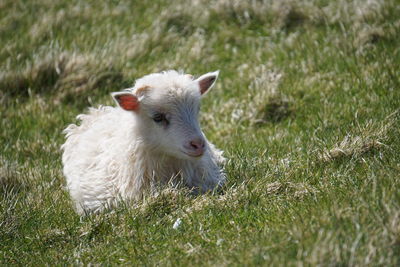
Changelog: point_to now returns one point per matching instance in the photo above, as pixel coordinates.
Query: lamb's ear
(126, 100)
(207, 81)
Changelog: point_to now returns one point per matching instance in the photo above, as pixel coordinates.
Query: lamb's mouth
(193, 155)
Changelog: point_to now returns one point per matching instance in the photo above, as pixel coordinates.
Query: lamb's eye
(159, 117)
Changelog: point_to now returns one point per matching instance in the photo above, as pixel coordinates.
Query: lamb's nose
(197, 146)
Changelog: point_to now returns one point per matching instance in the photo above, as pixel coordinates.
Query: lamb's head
(166, 106)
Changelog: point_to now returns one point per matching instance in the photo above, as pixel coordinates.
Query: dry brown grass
(296, 190)
(367, 138)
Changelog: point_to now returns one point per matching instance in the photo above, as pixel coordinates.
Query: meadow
(306, 109)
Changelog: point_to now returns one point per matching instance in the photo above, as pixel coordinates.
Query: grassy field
(306, 109)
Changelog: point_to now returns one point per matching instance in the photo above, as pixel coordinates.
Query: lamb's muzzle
(153, 137)
(196, 147)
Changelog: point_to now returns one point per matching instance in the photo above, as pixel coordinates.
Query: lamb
(151, 138)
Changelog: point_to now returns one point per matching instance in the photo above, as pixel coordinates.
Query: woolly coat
(107, 159)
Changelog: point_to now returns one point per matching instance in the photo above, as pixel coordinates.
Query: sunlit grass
(306, 109)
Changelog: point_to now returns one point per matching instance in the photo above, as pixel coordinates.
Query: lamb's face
(170, 122)
(168, 114)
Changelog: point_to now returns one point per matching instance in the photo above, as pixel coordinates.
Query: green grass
(306, 109)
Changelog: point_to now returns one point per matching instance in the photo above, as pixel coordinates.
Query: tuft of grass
(296, 190)
(62, 76)
(81, 75)
(38, 77)
(370, 137)
(291, 17)
(11, 178)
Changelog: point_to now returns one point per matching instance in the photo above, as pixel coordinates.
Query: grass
(306, 110)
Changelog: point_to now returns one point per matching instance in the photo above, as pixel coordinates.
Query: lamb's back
(92, 152)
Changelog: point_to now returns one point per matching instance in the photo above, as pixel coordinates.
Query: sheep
(151, 138)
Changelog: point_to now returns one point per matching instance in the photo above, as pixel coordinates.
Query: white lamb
(152, 138)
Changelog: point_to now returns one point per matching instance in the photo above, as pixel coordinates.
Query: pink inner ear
(206, 83)
(128, 102)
